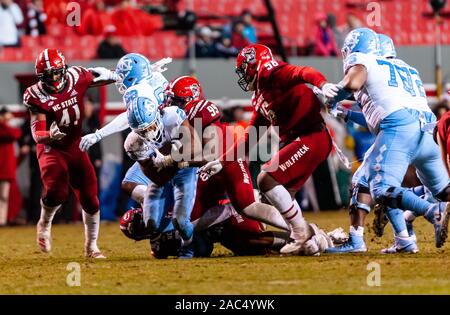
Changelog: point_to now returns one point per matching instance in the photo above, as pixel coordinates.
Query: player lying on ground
(215, 221)
(397, 113)
(281, 98)
(56, 105)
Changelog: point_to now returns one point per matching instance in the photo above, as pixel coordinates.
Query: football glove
(161, 161)
(103, 74)
(89, 140)
(210, 169)
(55, 133)
(330, 90)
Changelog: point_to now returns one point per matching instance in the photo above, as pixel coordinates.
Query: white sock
(280, 198)
(359, 231)
(138, 193)
(403, 233)
(266, 214)
(91, 228)
(47, 214)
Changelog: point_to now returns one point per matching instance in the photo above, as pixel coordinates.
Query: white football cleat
(44, 238)
(93, 253)
(292, 248)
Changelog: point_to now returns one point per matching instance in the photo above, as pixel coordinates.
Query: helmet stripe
(47, 60)
(178, 79)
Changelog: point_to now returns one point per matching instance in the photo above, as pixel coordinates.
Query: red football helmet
(51, 69)
(248, 63)
(183, 90)
(132, 225)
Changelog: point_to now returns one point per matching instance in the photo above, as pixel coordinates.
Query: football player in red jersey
(281, 98)
(442, 138)
(56, 105)
(186, 93)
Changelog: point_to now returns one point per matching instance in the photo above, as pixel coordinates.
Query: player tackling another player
(389, 92)
(56, 105)
(282, 98)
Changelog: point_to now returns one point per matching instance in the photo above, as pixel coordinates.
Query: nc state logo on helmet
(51, 69)
(182, 91)
(248, 63)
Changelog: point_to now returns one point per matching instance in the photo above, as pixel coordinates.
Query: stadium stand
(407, 22)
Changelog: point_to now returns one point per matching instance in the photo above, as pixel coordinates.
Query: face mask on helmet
(53, 79)
(178, 101)
(153, 132)
(245, 81)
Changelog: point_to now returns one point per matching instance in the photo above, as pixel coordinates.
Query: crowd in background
(113, 19)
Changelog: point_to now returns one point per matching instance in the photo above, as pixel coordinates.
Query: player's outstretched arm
(102, 76)
(118, 124)
(39, 130)
(353, 81)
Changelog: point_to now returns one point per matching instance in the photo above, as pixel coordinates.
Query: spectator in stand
(94, 19)
(8, 136)
(10, 18)
(36, 18)
(249, 30)
(225, 49)
(352, 22)
(132, 21)
(325, 44)
(338, 37)
(204, 44)
(110, 47)
(238, 39)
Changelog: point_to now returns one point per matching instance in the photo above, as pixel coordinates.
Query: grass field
(129, 268)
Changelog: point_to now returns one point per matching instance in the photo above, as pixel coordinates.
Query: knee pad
(418, 190)
(91, 205)
(354, 203)
(55, 197)
(392, 197)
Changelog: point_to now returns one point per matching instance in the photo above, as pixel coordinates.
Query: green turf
(129, 268)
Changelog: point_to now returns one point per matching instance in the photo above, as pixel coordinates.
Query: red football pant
(238, 234)
(296, 161)
(238, 183)
(61, 169)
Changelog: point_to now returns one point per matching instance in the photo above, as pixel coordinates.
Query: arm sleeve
(118, 124)
(290, 75)
(357, 117)
(39, 131)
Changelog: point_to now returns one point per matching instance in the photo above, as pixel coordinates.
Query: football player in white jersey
(395, 107)
(143, 89)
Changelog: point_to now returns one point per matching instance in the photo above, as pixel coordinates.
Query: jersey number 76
(405, 75)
